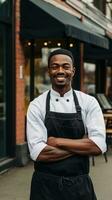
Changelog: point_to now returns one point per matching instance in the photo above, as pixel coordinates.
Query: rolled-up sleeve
(95, 125)
(36, 131)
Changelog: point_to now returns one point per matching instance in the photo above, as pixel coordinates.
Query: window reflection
(2, 97)
(89, 78)
(5, 8)
(2, 1)
(41, 77)
(42, 80)
(109, 83)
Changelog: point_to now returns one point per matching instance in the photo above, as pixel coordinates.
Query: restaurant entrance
(7, 124)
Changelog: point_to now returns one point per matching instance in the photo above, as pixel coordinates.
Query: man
(64, 127)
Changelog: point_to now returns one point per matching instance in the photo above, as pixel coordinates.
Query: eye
(66, 66)
(54, 66)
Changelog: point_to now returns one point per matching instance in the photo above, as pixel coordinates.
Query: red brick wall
(20, 60)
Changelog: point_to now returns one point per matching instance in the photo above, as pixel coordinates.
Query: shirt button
(57, 99)
(67, 100)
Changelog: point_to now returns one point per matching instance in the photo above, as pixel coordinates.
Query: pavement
(15, 182)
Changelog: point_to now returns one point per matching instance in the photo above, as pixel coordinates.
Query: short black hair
(60, 51)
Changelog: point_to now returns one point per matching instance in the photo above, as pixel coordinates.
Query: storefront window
(27, 83)
(5, 8)
(42, 80)
(2, 96)
(41, 77)
(89, 78)
(109, 83)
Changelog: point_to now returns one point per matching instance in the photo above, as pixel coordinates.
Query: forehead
(61, 58)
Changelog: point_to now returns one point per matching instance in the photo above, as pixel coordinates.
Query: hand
(52, 141)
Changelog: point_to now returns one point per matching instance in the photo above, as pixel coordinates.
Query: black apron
(67, 178)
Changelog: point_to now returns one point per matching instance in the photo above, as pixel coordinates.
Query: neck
(61, 91)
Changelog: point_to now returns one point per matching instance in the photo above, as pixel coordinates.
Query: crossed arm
(61, 148)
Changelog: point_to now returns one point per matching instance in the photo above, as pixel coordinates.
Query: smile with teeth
(60, 78)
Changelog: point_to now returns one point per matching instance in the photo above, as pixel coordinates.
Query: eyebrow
(60, 63)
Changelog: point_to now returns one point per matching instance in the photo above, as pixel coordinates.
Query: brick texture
(20, 60)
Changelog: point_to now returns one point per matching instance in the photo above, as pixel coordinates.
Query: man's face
(61, 71)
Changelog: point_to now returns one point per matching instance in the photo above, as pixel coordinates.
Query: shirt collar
(56, 94)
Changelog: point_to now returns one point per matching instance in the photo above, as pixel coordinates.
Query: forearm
(83, 146)
(50, 153)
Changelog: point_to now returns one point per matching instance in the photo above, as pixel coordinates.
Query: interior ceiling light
(71, 44)
(45, 43)
(29, 43)
(58, 44)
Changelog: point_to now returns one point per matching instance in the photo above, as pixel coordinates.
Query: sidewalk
(15, 183)
(101, 175)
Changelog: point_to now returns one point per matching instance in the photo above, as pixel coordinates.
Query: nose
(60, 69)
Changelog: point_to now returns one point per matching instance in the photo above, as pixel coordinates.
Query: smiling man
(64, 127)
(61, 72)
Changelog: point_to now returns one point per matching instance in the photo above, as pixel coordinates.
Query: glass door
(2, 94)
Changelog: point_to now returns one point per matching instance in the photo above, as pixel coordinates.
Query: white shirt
(91, 114)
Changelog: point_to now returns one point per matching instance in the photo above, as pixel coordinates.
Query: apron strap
(78, 108)
(48, 102)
